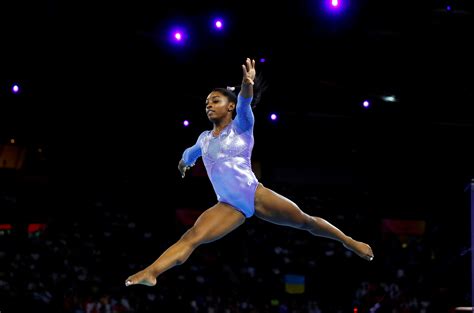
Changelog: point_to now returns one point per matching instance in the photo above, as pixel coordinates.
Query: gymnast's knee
(193, 237)
(308, 222)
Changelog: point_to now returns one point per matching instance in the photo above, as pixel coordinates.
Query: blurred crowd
(79, 264)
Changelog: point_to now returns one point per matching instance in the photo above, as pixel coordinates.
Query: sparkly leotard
(227, 159)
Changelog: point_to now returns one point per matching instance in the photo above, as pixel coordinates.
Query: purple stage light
(178, 35)
(334, 7)
(219, 24)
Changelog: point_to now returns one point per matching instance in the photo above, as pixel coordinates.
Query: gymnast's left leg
(277, 209)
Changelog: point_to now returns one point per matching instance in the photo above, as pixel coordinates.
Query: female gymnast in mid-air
(226, 151)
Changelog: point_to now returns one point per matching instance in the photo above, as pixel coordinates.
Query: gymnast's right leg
(213, 224)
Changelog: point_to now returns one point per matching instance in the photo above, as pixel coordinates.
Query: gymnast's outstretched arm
(190, 155)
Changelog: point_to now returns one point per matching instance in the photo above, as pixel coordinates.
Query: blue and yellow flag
(294, 284)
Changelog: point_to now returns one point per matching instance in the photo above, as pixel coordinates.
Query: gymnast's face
(218, 106)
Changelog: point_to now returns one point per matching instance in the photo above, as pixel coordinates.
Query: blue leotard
(227, 159)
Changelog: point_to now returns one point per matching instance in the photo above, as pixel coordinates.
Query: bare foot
(144, 277)
(361, 249)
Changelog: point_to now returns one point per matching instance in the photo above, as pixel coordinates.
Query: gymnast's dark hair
(258, 88)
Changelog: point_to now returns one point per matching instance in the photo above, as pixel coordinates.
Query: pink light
(186, 123)
(15, 88)
(178, 35)
(366, 104)
(273, 117)
(334, 6)
(219, 24)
